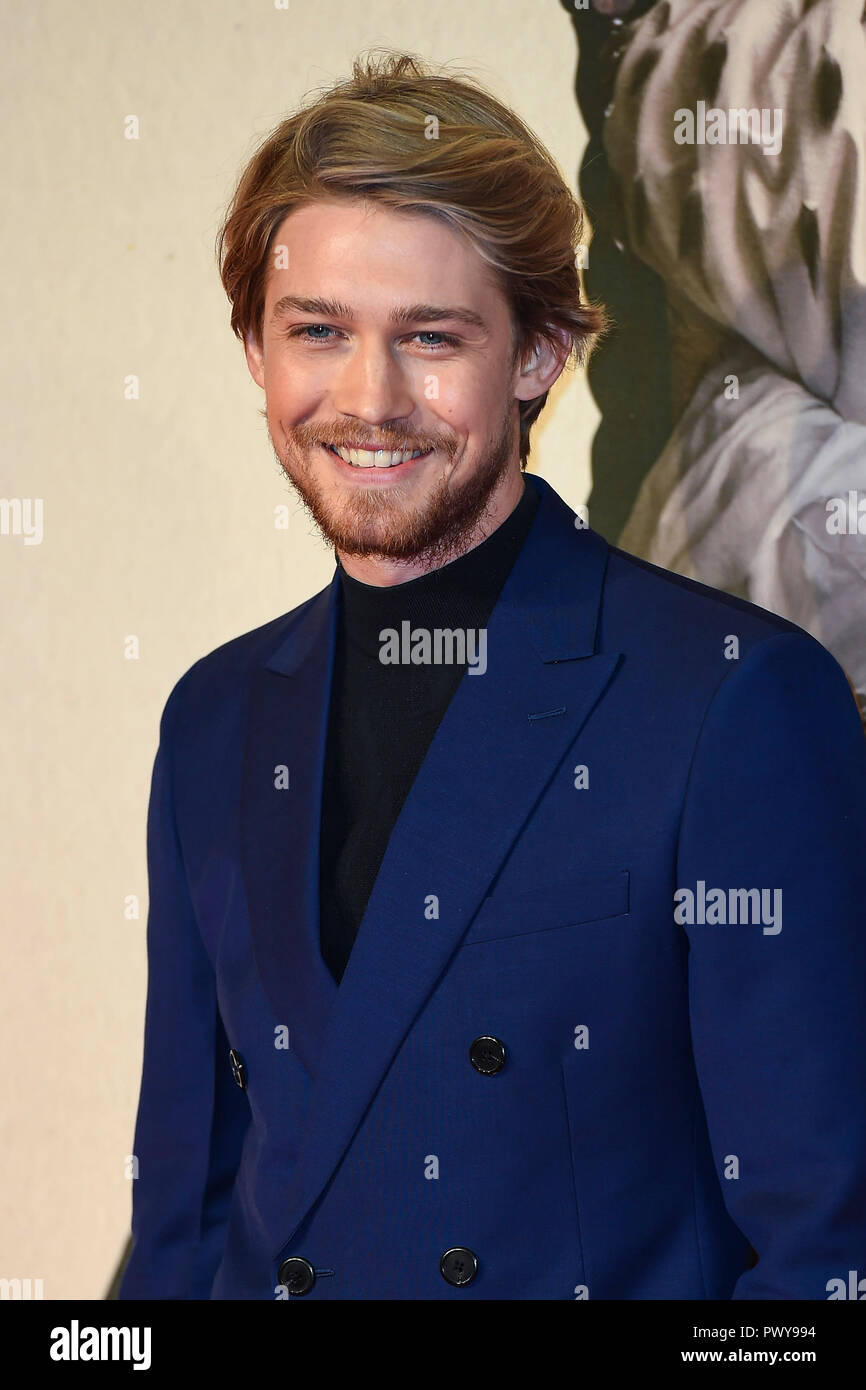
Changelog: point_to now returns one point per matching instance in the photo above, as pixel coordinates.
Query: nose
(372, 385)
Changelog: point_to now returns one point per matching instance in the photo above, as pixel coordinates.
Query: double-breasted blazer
(602, 1033)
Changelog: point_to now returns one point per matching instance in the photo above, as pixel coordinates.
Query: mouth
(381, 460)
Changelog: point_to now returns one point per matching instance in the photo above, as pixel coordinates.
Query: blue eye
(445, 339)
(322, 333)
(308, 327)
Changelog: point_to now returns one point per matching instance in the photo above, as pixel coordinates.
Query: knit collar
(462, 587)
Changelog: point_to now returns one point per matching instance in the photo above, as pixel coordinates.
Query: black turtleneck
(382, 717)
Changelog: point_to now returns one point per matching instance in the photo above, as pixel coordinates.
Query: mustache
(343, 436)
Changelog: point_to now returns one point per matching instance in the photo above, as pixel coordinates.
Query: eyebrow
(408, 313)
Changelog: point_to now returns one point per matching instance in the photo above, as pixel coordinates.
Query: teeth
(379, 458)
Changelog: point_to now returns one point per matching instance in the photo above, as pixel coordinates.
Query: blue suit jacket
(677, 1094)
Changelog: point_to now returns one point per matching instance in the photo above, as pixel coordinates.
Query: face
(392, 384)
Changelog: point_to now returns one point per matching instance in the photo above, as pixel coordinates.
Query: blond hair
(485, 174)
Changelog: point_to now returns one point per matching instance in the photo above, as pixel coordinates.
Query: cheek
(463, 398)
(289, 394)
(469, 408)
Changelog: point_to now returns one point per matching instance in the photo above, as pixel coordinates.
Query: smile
(376, 458)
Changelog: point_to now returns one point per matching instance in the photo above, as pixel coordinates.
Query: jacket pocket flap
(584, 899)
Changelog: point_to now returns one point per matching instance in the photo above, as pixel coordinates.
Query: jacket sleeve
(776, 800)
(191, 1116)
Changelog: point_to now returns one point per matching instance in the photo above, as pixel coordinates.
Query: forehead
(371, 256)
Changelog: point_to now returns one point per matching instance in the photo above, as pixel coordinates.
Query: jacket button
(487, 1055)
(458, 1265)
(297, 1274)
(239, 1071)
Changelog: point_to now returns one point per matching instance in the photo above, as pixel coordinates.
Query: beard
(386, 521)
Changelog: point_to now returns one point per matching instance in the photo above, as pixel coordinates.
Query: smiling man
(431, 1013)
(391, 400)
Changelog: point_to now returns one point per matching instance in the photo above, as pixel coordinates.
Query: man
(506, 929)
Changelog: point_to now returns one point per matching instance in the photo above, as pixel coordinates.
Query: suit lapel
(287, 719)
(501, 739)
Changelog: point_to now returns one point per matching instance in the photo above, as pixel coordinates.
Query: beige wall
(158, 513)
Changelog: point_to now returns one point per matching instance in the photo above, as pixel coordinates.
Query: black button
(487, 1055)
(297, 1274)
(239, 1071)
(458, 1265)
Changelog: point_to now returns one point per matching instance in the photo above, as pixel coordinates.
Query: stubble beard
(384, 522)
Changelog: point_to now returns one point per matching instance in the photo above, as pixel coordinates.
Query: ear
(255, 356)
(540, 365)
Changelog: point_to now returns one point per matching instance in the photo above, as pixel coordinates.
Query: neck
(383, 572)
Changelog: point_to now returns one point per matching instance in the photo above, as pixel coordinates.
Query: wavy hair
(485, 174)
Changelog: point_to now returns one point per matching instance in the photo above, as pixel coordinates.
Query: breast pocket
(550, 907)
